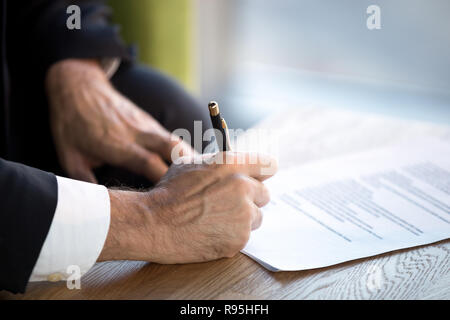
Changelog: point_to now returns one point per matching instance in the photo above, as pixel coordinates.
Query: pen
(220, 127)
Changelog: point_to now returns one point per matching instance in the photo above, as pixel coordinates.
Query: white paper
(355, 206)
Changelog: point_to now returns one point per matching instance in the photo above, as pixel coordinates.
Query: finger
(257, 218)
(167, 145)
(77, 168)
(256, 165)
(144, 162)
(257, 191)
(83, 174)
(178, 148)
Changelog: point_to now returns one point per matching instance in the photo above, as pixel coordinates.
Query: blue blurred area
(296, 52)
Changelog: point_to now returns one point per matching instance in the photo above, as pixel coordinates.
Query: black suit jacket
(33, 37)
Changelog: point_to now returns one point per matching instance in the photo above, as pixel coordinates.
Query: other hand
(93, 124)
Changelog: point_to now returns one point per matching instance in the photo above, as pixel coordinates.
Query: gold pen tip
(224, 124)
(213, 108)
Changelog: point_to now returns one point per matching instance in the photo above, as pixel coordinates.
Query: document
(355, 206)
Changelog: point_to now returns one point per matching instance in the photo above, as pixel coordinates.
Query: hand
(93, 124)
(196, 213)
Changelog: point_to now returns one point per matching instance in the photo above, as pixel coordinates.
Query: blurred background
(260, 56)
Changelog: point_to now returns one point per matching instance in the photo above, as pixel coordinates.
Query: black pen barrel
(220, 132)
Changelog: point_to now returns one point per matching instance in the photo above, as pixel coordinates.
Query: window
(257, 56)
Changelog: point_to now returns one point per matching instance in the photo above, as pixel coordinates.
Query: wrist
(128, 221)
(73, 71)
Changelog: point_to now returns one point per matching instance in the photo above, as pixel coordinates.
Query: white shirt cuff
(77, 233)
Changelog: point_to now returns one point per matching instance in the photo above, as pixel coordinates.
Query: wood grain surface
(416, 273)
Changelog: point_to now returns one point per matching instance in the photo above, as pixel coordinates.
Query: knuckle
(240, 183)
(247, 211)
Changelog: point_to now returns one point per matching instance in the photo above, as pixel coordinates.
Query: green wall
(163, 31)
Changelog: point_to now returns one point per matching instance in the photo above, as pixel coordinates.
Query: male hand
(93, 124)
(196, 213)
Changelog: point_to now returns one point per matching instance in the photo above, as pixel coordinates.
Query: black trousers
(151, 90)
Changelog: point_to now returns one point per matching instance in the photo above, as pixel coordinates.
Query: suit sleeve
(27, 205)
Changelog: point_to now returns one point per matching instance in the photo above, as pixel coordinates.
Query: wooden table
(308, 134)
